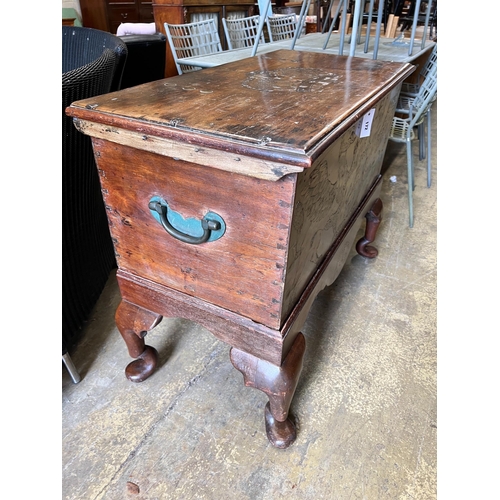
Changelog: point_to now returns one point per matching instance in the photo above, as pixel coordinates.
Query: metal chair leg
(71, 368)
(421, 144)
(410, 180)
(429, 148)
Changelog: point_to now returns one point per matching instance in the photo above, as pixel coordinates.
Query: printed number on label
(364, 126)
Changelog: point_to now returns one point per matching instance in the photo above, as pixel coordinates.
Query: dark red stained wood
(133, 323)
(328, 192)
(243, 271)
(234, 329)
(373, 219)
(281, 101)
(243, 333)
(288, 230)
(279, 383)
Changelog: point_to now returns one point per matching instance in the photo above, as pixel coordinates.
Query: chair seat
(400, 130)
(404, 104)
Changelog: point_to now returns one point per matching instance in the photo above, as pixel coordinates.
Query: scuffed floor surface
(365, 404)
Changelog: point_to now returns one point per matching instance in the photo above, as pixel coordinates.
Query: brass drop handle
(208, 225)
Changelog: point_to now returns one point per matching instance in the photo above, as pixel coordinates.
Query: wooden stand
(235, 221)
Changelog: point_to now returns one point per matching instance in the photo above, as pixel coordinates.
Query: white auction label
(364, 126)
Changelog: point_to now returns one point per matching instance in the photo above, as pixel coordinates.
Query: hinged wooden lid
(283, 105)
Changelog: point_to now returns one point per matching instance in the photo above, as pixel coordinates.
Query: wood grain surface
(290, 117)
(278, 106)
(329, 192)
(243, 271)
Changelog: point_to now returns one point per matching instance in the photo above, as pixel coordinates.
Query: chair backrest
(242, 32)
(430, 63)
(81, 46)
(192, 39)
(282, 27)
(425, 97)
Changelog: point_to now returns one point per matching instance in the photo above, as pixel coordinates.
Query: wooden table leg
(134, 322)
(279, 383)
(372, 223)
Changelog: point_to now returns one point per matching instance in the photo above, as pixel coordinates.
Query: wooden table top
(284, 101)
(388, 50)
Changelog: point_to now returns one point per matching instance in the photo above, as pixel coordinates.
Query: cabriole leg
(134, 322)
(279, 383)
(372, 223)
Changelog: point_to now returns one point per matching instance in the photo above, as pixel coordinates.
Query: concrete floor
(365, 404)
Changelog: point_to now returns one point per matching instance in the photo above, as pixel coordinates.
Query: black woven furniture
(81, 46)
(145, 60)
(92, 64)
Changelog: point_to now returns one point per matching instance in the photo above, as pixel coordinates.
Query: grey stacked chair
(403, 129)
(92, 64)
(242, 32)
(407, 96)
(191, 40)
(411, 89)
(282, 27)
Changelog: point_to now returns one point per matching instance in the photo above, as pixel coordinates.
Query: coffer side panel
(242, 271)
(329, 192)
